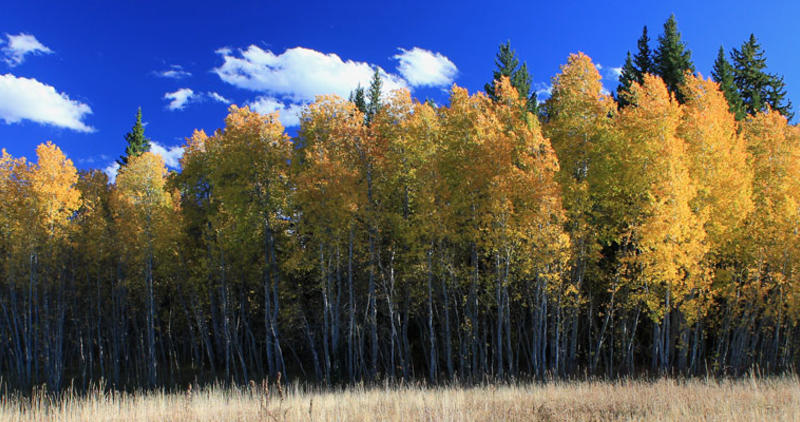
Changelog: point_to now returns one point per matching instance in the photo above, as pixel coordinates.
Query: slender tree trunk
(389, 292)
(351, 359)
(273, 325)
(372, 311)
(325, 312)
(268, 340)
(447, 335)
(313, 349)
(431, 334)
(499, 323)
(151, 314)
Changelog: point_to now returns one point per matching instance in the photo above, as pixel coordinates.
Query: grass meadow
(666, 399)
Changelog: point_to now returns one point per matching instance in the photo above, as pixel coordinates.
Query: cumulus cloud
(298, 74)
(616, 71)
(179, 98)
(28, 99)
(424, 68)
(290, 80)
(171, 155)
(20, 45)
(288, 114)
(174, 72)
(111, 171)
(218, 98)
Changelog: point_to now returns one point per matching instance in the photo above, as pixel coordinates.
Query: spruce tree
(748, 66)
(757, 87)
(521, 80)
(776, 96)
(635, 68)
(628, 75)
(357, 98)
(643, 60)
(138, 144)
(374, 104)
(722, 73)
(508, 65)
(672, 58)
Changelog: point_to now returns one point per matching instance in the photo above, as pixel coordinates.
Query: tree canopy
(392, 239)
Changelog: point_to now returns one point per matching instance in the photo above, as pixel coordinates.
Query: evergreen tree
(138, 144)
(672, 58)
(628, 75)
(757, 87)
(748, 67)
(521, 80)
(776, 94)
(723, 74)
(635, 68)
(357, 98)
(644, 57)
(374, 104)
(508, 65)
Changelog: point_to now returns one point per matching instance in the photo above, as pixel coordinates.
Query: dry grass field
(749, 399)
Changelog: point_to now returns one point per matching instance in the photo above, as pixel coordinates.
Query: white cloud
(616, 71)
(171, 155)
(179, 98)
(174, 72)
(218, 98)
(289, 115)
(111, 171)
(21, 45)
(292, 79)
(28, 99)
(543, 90)
(298, 74)
(425, 68)
(223, 51)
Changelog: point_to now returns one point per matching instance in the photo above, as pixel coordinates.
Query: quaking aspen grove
(657, 232)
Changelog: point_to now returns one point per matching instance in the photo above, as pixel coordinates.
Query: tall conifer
(374, 95)
(757, 87)
(722, 73)
(672, 58)
(643, 60)
(138, 144)
(508, 65)
(628, 75)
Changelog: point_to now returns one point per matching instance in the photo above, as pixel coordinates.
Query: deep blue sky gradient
(105, 52)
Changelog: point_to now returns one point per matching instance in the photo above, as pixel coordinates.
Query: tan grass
(750, 399)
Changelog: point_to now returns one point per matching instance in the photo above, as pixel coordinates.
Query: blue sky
(75, 74)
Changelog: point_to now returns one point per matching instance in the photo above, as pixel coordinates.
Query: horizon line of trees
(392, 239)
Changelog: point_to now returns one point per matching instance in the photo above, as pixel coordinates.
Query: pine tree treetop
(672, 59)
(644, 57)
(138, 143)
(507, 64)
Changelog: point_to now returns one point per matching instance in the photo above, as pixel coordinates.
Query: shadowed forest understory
(656, 231)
